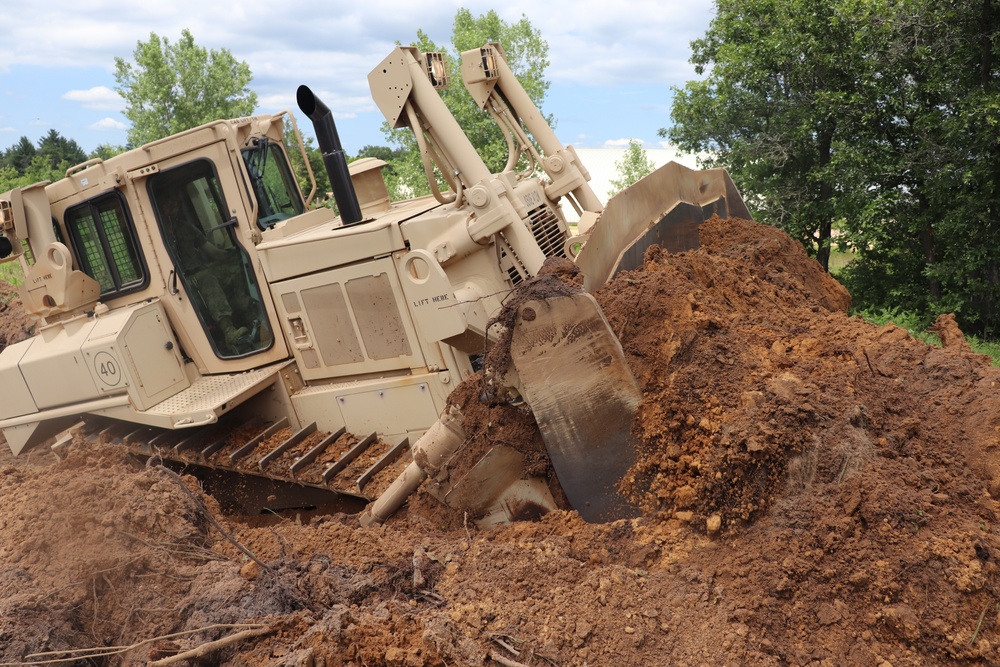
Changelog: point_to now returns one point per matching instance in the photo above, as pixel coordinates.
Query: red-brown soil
(815, 491)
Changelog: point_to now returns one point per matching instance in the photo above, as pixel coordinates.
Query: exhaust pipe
(333, 154)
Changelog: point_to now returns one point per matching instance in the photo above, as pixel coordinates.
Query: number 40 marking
(107, 369)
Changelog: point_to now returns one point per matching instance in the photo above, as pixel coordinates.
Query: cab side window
(103, 237)
(274, 187)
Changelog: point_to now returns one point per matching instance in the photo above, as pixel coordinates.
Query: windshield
(274, 187)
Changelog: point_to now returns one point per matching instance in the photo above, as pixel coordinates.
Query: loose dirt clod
(816, 491)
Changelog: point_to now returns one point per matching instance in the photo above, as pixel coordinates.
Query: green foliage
(10, 273)
(315, 158)
(880, 114)
(23, 164)
(57, 150)
(929, 216)
(19, 156)
(839, 261)
(991, 348)
(527, 55)
(633, 166)
(39, 169)
(768, 109)
(172, 87)
(107, 151)
(916, 325)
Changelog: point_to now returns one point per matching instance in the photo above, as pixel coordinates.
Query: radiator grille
(548, 231)
(510, 261)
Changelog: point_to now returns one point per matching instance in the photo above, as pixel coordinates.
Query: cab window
(274, 187)
(104, 239)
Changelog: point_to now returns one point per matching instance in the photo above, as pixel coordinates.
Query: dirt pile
(14, 323)
(817, 491)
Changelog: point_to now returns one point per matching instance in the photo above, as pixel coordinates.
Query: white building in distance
(602, 165)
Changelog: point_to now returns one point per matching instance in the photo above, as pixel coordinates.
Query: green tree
(777, 80)
(19, 156)
(879, 115)
(58, 150)
(107, 151)
(928, 222)
(635, 164)
(24, 163)
(39, 170)
(171, 87)
(527, 55)
(315, 158)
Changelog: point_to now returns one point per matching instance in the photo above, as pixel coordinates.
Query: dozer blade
(573, 374)
(665, 208)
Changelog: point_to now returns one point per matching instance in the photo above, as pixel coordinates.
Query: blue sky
(612, 63)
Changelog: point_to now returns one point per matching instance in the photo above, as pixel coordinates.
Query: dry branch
(209, 647)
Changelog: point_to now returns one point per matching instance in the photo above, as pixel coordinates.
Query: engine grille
(548, 230)
(510, 262)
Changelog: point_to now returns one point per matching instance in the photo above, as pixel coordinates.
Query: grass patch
(991, 348)
(10, 272)
(917, 325)
(914, 323)
(839, 260)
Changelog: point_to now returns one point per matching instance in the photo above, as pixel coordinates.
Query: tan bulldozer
(192, 304)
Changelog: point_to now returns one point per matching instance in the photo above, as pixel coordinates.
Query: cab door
(214, 284)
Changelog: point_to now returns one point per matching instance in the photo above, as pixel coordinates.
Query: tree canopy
(171, 87)
(527, 55)
(635, 164)
(875, 116)
(768, 110)
(23, 163)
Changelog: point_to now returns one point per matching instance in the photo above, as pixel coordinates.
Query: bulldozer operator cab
(177, 221)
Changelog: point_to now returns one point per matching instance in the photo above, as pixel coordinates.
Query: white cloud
(107, 124)
(591, 41)
(620, 143)
(7, 129)
(331, 45)
(343, 107)
(100, 98)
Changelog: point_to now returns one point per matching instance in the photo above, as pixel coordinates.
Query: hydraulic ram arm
(494, 87)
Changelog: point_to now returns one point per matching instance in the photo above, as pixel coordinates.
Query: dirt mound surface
(15, 325)
(816, 491)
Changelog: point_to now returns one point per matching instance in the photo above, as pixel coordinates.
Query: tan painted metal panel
(377, 312)
(17, 399)
(56, 370)
(384, 405)
(331, 320)
(324, 246)
(368, 332)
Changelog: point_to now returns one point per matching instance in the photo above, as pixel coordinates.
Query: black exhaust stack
(333, 154)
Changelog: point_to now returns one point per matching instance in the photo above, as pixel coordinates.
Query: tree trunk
(928, 243)
(825, 228)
